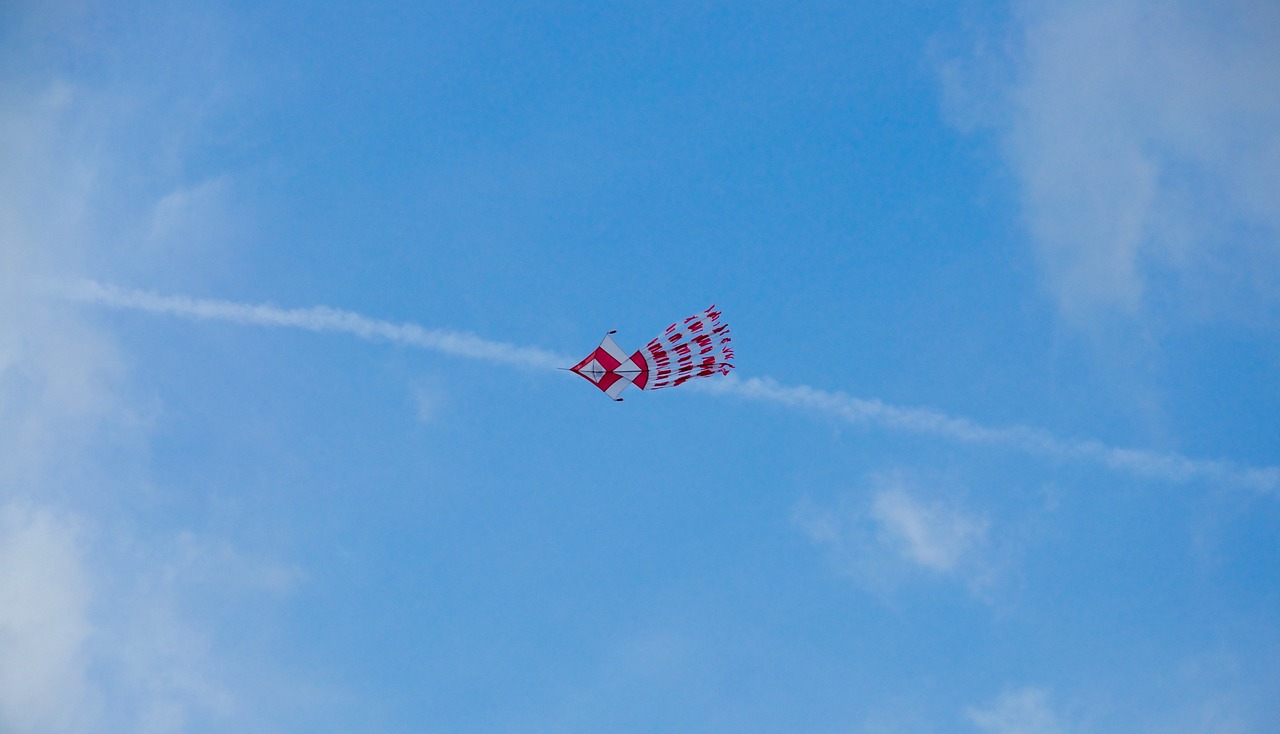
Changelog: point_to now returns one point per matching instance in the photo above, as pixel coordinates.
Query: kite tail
(698, 347)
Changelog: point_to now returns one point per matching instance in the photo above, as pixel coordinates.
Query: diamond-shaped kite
(698, 347)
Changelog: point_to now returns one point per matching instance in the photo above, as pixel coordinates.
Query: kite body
(698, 347)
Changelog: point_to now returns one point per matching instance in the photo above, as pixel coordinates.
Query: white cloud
(44, 624)
(901, 532)
(160, 666)
(98, 629)
(194, 559)
(1225, 702)
(1145, 137)
(428, 401)
(59, 398)
(1020, 711)
(171, 213)
(125, 652)
(931, 534)
(191, 219)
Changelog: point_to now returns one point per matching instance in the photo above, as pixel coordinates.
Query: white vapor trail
(859, 411)
(318, 318)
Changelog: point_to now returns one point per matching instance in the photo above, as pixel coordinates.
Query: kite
(697, 347)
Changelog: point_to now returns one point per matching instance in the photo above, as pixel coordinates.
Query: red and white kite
(698, 347)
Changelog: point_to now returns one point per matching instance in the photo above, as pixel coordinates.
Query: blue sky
(282, 452)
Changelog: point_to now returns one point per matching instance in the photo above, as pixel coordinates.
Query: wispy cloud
(44, 623)
(1170, 467)
(930, 534)
(1144, 137)
(94, 637)
(427, 401)
(98, 630)
(1019, 711)
(900, 530)
(88, 644)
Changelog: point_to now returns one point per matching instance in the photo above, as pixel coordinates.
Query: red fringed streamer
(698, 347)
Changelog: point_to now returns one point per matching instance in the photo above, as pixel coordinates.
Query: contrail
(858, 411)
(319, 318)
(1137, 462)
